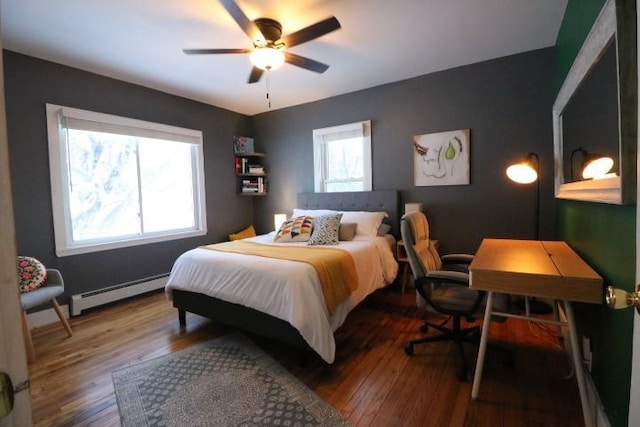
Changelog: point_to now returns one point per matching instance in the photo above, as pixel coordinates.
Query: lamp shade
(278, 219)
(412, 207)
(596, 167)
(524, 172)
(267, 58)
(593, 166)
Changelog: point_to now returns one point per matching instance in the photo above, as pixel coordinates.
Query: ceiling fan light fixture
(267, 58)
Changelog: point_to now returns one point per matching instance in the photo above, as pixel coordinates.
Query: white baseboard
(118, 292)
(46, 317)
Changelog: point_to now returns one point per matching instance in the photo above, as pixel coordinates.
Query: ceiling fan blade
(208, 51)
(255, 75)
(311, 32)
(248, 26)
(306, 63)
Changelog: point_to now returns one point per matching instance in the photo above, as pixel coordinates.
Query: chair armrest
(54, 278)
(453, 277)
(457, 262)
(457, 258)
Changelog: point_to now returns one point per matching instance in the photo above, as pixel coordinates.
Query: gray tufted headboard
(372, 201)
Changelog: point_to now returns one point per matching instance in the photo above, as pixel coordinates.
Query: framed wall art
(441, 158)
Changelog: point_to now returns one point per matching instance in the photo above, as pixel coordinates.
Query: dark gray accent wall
(30, 83)
(505, 102)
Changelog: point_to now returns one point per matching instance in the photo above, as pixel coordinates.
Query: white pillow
(368, 222)
(311, 212)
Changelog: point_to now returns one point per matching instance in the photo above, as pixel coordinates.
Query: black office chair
(442, 285)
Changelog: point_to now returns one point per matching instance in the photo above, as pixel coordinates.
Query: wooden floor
(372, 382)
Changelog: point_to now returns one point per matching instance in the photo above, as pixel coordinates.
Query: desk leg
(482, 349)
(577, 364)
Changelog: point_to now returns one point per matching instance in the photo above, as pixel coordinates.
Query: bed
(279, 298)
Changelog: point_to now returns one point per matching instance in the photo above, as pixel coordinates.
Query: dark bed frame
(260, 323)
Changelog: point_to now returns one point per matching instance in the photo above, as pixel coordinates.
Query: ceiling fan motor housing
(270, 29)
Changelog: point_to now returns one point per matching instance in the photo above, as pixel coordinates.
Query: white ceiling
(381, 41)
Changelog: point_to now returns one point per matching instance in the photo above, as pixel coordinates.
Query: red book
(238, 167)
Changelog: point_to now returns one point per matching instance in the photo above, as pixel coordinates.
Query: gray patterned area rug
(228, 381)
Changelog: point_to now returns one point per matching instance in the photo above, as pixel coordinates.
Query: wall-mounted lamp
(593, 166)
(619, 298)
(278, 220)
(526, 172)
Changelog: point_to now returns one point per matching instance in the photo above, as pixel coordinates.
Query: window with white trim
(342, 158)
(119, 182)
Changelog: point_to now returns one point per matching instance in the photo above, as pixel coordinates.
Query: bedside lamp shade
(412, 207)
(278, 219)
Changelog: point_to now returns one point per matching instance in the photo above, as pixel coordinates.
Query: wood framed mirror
(607, 59)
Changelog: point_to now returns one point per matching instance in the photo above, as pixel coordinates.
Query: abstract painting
(441, 158)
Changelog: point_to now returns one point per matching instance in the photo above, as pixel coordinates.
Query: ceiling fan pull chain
(268, 81)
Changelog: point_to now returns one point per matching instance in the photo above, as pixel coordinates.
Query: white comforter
(288, 290)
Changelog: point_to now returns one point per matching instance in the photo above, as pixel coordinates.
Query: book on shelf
(256, 169)
(243, 167)
(253, 185)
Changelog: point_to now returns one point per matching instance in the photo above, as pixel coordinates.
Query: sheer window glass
(342, 158)
(118, 182)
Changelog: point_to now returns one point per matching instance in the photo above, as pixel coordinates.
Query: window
(342, 158)
(118, 182)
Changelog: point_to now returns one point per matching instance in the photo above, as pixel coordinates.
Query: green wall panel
(576, 24)
(605, 236)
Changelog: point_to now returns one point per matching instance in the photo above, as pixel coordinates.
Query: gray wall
(505, 102)
(30, 83)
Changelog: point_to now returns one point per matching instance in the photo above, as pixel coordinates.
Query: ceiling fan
(269, 46)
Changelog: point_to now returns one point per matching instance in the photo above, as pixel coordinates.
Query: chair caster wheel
(409, 349)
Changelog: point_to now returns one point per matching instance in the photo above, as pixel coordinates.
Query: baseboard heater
(103, 296)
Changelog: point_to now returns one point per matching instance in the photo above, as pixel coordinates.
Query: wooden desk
(539, 269)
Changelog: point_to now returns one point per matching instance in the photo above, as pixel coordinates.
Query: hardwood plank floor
(372, 382)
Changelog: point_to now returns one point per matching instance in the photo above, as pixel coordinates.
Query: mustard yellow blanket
(335, 267)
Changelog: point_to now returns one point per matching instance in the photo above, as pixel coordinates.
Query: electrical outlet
(586, 352)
